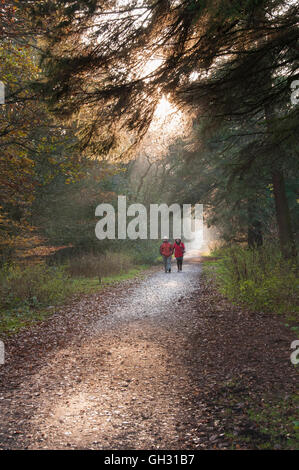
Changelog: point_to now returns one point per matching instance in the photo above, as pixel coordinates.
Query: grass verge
(258, 279)
(31, 295)
(269, 422)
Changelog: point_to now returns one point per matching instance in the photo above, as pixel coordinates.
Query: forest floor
(158, 362)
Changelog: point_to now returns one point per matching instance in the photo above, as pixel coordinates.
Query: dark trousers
(179, 262)
(167, 263)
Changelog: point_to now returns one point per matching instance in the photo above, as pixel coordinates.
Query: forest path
(127, 386)
(139, 366)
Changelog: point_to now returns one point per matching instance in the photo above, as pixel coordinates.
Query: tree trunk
(283, 217)
(255, 236)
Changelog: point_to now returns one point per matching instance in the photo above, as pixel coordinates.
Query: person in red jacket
(166, 250)
(179, 250)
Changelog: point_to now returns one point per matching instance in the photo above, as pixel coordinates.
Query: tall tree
(107, 64)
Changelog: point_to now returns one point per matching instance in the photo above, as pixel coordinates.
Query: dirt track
(140, 366)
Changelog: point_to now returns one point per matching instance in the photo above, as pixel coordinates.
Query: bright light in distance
(164, 108)
(168, 121)
(193, 76)
(167, 117)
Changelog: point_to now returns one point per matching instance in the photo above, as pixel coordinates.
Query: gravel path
(131, 383)
(123, 384)
(140, 365)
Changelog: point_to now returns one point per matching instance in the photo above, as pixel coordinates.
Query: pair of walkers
(167, 249)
